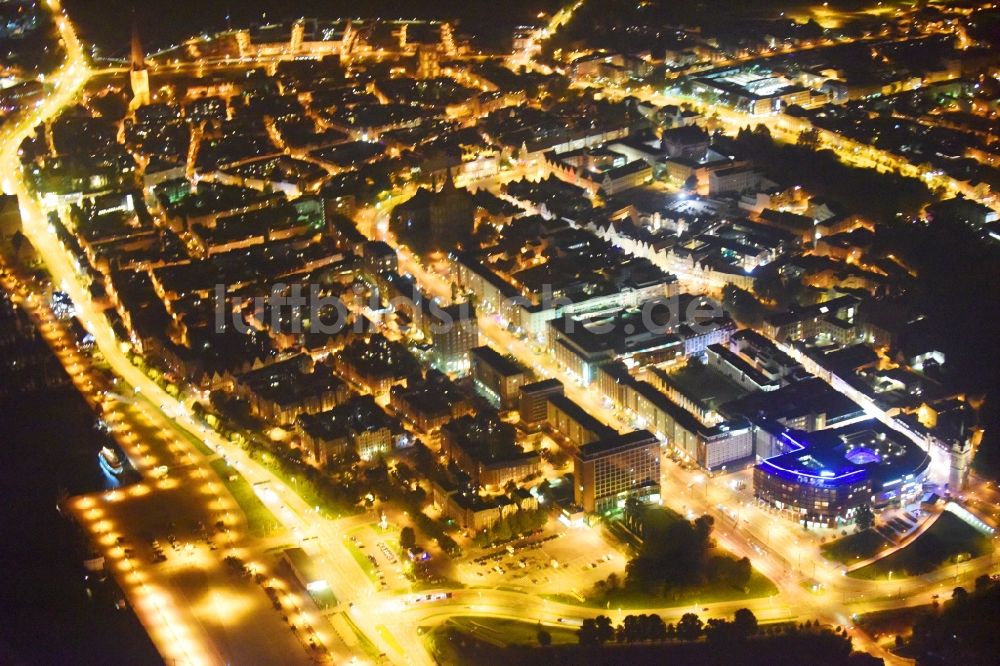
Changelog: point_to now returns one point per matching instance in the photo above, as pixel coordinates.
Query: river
(50, 614)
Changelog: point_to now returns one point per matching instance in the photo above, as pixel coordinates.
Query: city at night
(611, 332)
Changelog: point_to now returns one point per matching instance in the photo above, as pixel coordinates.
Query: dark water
(47, 442)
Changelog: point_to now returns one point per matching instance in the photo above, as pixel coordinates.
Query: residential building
(574, 423)
(485, 448)
(496, 377)
(533, 405)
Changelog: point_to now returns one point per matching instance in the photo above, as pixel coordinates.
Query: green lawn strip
(365, 642)
(948, 537)
(260, 521)
(362, 559)
(193, 439)
(386, 635)
(505, 631)
(301, 485)
(197, 442)
(445, 644)
(855, 547)
(759, 586)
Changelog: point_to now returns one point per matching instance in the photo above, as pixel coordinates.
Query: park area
(947, 541)
(677, 562)
(855, 547)
(469, 640)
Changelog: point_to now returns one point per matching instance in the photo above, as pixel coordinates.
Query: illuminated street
(261, 533)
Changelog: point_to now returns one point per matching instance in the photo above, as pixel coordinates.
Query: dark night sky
(107, 22)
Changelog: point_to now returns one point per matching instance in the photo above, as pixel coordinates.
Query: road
(389, 622)
(775, 546)
(294, 514)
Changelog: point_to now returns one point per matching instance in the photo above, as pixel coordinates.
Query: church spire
(139, 75)
(449, 181)
(138, 56)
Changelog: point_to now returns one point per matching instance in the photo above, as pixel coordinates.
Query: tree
(783, 292)
(740, 572)
(745, 623)
(112, 106)
(407, 539)
(657, 628)
(605, 630)
(742, 305)
(587, 633)
(809, 138)
(865, 517)
(638, 628)
(689, 627)
(501, 531)
(719, 631)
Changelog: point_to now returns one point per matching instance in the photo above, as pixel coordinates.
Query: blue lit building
(822, 477)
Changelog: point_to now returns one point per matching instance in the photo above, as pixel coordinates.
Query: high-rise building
(609, 471)
(497, 377)
(453, 331)
(533, 406)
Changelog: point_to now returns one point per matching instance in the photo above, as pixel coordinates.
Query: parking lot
(169, 559)
(560, 559)
(379, 548)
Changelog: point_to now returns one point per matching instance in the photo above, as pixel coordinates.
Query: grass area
(362, 559)
(665, 536)
(363, 640)
(618, 532)
(948, 538)
(855, 547)
(260, 521)
(504, 631)
(324, 598)
(195, 441)
(872, 194)
(302, 485)
(390, 640)
(759, 586)
(893, 620)
(462, 640)
(707, 383)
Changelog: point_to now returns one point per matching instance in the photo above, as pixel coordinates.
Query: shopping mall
(822, 477)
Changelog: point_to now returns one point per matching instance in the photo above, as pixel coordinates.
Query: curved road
(388, 621)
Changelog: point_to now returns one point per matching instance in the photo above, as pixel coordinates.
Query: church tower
(138, 75)
(960, 458)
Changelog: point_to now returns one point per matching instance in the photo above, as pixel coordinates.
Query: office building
(607, 472)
